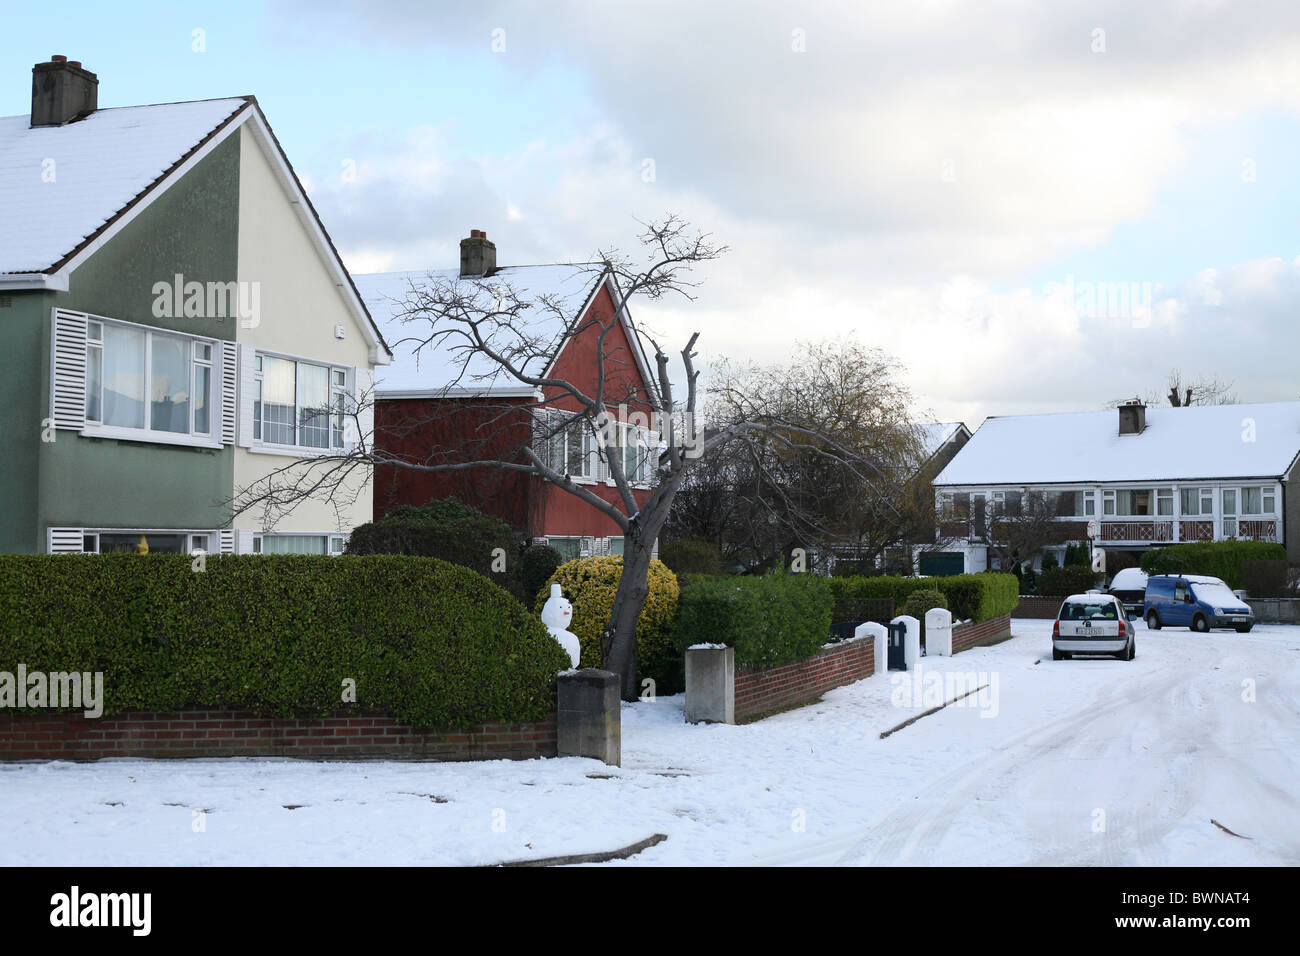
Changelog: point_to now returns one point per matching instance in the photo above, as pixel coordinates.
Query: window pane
(202, 386)
(1165, 501)
(293, 544)
(573, 448)
(133, 542)
(313, 405)
(169, 385)
(1229, 501)
(278, 392)
(123, 375)
(94, 382)
(1269, 503)
(1250, 501)
(339, 408)
(615, 545)
(1189, 501)
(568, 547)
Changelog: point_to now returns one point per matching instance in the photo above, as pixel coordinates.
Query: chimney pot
(58, 58)
(75, 64)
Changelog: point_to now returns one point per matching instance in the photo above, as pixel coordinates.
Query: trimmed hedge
(428, 642)
(1220, 559)
(977, 597)
(447, 529)
(1071, 579)
(590, 585)
(769, 620)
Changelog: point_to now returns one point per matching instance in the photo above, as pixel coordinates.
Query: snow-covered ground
(1076, 762)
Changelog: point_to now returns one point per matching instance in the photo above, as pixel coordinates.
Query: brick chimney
(62, 92)
(478, 255)
(1132, 418)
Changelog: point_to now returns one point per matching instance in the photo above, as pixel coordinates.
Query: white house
(1147, 476)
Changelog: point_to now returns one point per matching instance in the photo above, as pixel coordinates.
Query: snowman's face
(557, 613)
(566, 610)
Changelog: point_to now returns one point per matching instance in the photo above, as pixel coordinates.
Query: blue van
(1195, 601)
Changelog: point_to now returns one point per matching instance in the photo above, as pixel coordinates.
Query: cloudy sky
(1035, 207)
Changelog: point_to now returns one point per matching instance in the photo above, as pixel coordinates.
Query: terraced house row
(175, 324)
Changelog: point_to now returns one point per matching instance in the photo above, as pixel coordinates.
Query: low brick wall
(1035, 606)
(800, 682)
(966, 636)
(217, 733)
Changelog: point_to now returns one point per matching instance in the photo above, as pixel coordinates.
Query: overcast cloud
(905, 172)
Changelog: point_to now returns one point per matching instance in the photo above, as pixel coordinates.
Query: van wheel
(1153, 621)
(1200, 624)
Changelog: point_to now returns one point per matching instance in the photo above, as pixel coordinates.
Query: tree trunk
(633, 588)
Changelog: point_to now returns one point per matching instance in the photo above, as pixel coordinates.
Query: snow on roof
(444, 363)
(1202, 441)
(60, 184)
(934, 435)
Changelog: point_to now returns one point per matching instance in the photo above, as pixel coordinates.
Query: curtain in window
(313, 405)
(278, 396)
(169, 384)
(123, 376)
(294, 544)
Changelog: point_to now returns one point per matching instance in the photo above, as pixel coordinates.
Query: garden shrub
(446, 529)
(769, 620)
(590, 585)
(691, 556)
(1062, 582)
(536, 565)
(428, 642)
(1220, 559)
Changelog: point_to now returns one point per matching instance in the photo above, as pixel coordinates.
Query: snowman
(556, 615)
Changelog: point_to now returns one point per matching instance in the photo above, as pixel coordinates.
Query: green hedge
(1071, 579)
(431, 643)
(448, 529)
(1220, 559)
(980, 597)
(769, 620)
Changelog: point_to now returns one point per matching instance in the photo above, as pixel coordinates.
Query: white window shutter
(227, 538)
(64, 540)
(245, 541)
(246, 384)
(229, 392)
(68, 370)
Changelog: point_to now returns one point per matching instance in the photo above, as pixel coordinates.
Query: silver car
(1093, 623)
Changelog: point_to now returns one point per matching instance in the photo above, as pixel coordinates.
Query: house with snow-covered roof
(176, 325)
(440, 399)
(1147, 477)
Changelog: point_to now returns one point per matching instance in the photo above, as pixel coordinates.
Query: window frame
(334, 410)
(96, 428)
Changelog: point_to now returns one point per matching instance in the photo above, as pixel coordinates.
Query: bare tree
(491, 330)
(1023, 528)
(1201, 390)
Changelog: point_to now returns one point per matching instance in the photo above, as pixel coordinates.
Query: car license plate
(1238, 620)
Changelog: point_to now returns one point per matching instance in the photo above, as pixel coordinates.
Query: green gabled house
(175, 324)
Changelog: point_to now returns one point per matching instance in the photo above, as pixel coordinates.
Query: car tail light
(1056, 629)
(1123, 628)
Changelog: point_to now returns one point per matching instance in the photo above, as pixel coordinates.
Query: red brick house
(441, 403)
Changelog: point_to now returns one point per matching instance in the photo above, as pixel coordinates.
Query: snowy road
(1070, 762)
